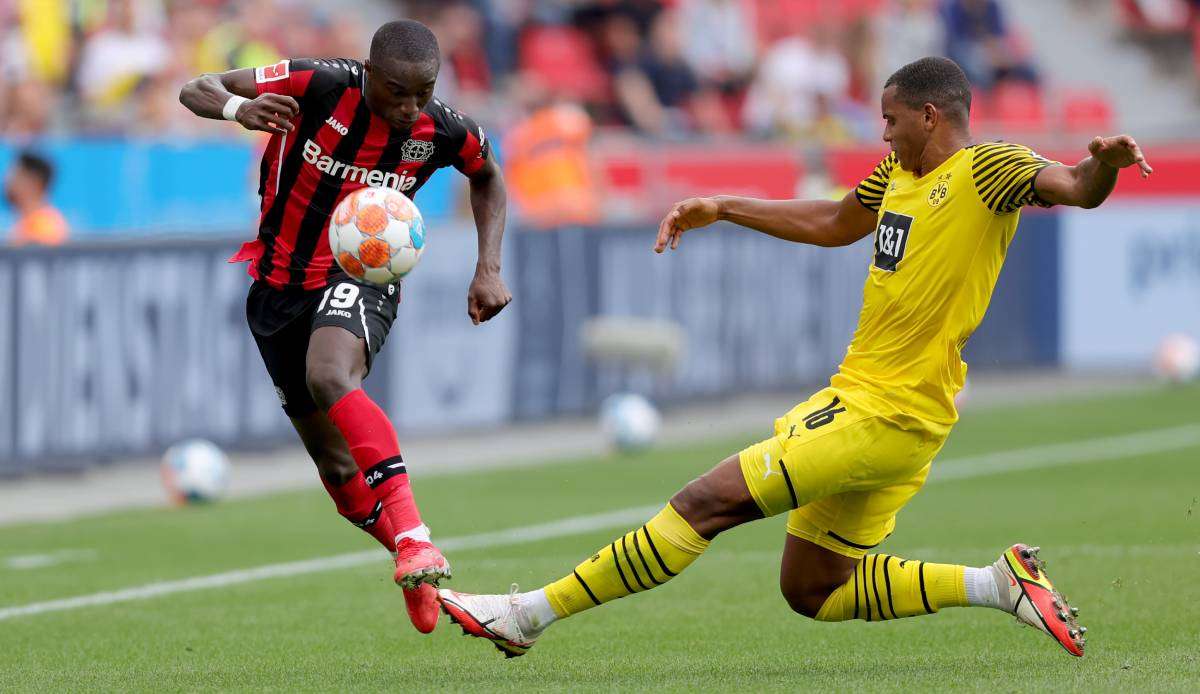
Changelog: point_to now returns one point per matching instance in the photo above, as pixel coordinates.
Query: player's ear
(367, 66)
(930, 116)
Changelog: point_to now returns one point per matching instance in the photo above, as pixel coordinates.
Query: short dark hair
(405, 40)
(937, 81)
(37, 165)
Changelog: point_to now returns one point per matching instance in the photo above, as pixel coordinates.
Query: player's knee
(804, 598)
(328, 382)
(709, 506)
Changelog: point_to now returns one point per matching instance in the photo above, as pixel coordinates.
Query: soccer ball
(1177, 358)
(195, 470)
(630, 422)
(376, 235)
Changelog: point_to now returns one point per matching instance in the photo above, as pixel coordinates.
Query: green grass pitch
(1122, 538)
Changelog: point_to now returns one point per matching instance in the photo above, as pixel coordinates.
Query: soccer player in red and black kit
(338, 125)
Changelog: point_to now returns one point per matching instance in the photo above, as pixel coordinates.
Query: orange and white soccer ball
(377, 235)
(1177, 358)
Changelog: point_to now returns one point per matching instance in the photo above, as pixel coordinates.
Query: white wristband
(231, 107)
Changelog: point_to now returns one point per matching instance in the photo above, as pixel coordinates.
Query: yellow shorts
(843, 472)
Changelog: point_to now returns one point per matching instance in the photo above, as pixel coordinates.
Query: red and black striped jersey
(336, 147)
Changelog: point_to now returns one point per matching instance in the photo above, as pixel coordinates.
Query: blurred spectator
(922, 30)
(116, 59)
(796, 84)
(656, 87)
(465, 77)
(26, 190)
(978, 39)
(547, 163)
(721, 45)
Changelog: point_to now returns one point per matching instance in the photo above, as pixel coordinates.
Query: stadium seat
(1086, 111)
(1017, 108)
(563, 59)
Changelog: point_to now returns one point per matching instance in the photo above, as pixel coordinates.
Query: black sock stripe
(637, 547)
(662, 564)
(636, 577)
(787, 479)
(384, 470)
(585, 587)
(924, 599)
(887, 582)
(875, 584)
(371, 518)
(866, 587)
(620, 573)
(856, 592)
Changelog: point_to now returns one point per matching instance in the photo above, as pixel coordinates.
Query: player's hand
(1119, 152)
(692, 213)
(270, 113)
(487, 296)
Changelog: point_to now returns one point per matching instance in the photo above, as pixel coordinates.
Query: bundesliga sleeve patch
(273, 73)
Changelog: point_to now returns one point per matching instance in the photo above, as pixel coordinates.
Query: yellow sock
(887, 587)
(638, 560)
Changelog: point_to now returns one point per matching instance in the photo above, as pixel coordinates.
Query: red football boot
(419, 562)
(422, 604)
(1035, 602)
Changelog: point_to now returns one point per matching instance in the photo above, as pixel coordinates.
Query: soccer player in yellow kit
(844, 462)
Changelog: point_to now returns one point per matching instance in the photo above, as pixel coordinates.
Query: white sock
(983, 589)
(419, 533)
(538, 613)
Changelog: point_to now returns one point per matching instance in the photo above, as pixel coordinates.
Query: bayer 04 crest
(417, 150)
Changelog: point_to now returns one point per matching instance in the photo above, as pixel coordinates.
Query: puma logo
(767, 462)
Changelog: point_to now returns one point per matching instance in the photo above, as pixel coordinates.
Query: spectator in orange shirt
(26, 190)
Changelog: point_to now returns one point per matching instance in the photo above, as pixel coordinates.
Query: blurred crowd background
(551, 79)
(792, 69)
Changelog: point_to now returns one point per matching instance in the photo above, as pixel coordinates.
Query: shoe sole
(471, 627)
(1048, 603)
(429, 574)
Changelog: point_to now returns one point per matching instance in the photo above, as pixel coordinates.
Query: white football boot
(501, 619)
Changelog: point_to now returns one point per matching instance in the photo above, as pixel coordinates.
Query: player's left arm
(488, 294)
(1089, 183)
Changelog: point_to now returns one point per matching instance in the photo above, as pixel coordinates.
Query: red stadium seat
(1086, 111)
(563, 59)
(1018, 108)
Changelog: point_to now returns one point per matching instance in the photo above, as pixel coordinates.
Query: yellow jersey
(940, 241)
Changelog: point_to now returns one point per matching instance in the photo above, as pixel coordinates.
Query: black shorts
(282, 321)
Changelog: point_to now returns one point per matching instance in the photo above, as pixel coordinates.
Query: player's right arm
(815, 222)
(207, 96)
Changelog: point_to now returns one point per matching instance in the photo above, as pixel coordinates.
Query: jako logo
(371, 177)
(333, 123)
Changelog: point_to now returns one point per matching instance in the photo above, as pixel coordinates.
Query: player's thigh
(283, 353)
(852, 523)
(826, 446)
(349, 327)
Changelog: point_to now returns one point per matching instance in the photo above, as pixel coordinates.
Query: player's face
(397, 91)
(905, 129)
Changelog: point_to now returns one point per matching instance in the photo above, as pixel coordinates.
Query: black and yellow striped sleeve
(1004, 175)
(870, 191)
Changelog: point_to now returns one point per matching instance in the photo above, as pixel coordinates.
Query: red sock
(375, 448)
(357, 503)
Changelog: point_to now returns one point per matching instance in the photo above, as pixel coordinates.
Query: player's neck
(939, 149)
